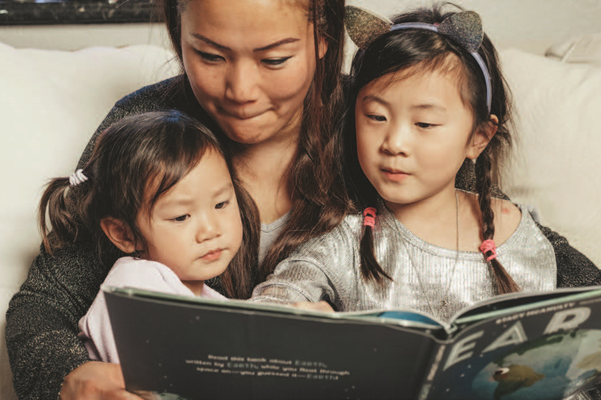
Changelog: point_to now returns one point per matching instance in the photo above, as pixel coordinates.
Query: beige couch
(52, 101)
(50, 104)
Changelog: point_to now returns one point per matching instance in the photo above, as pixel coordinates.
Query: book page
(207, 349)
(543, 352)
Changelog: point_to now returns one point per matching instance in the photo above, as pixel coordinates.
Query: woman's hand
(319, 306)
(96, 380)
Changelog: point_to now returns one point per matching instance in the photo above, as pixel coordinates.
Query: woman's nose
(242, 82)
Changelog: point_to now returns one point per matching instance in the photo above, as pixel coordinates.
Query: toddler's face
(195, 227)
(413, 134)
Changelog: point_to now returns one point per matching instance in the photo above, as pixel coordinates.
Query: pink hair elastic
(489, 245)
(370, 217)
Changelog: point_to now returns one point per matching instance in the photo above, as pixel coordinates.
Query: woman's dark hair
(416, 51)
(319, 196)
(136, 161)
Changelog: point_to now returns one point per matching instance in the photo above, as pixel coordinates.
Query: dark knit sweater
(42, 319)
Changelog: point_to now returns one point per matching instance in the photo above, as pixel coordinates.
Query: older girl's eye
(208, 57)
(181, 218)
(275, 62)
(376, 117)
(221, 205)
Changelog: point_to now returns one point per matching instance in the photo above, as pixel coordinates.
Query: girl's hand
(96, 380)
(319, 306)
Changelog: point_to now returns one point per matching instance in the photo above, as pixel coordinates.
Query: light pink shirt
(95, 326)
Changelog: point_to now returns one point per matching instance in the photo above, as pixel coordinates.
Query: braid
(504, 282)
(370, 268)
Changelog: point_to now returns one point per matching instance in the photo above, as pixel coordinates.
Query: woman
(266, 74)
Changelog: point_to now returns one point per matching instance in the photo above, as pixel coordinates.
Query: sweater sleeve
(574, 269)
(41, 321)
(312, 272)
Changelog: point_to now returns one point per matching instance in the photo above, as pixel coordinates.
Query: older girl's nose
(397, 140)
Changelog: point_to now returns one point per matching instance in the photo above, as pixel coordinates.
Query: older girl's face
(250, 65)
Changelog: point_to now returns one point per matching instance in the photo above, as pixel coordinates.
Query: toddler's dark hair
(159, 148)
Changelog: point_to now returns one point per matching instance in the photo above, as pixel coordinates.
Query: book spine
(425, 390)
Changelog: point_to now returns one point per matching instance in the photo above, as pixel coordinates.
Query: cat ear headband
(465, 28)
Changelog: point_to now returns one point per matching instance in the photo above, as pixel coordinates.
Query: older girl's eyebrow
(225, 48)
(429, 106)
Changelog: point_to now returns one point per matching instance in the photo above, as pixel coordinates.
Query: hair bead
(370, 217)
(489, 246)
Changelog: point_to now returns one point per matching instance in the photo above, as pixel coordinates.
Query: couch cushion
(556, 163)
(50, 104)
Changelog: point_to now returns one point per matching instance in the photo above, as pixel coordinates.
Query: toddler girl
(158, 187)
(427, 98)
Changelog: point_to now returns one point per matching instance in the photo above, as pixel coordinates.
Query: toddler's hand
(96, 380)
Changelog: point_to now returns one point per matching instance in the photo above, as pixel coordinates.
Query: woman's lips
(241, 115)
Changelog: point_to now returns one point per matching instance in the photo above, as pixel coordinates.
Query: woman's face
(250, 65)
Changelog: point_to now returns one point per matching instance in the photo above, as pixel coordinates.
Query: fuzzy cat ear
(364, 26)
(465, 28)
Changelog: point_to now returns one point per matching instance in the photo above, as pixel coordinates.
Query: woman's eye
(181, 218)
(221, 205)
(209, 57)
(275, 62)
(376, 117)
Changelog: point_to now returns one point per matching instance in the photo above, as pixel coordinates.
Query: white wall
(531, 25)
(74, 37)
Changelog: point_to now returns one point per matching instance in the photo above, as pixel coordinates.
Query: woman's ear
(482, 137)
(119, 233)
(322, 44)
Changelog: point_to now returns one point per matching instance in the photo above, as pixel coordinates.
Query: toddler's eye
(425, 125)
(221, 205)
(375, 117)
(181, 218)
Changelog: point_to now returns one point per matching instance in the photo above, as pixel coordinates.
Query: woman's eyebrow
(276, 44)
(212, 43)
(225, 48)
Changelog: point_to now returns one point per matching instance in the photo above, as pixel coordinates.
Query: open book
(517, 346)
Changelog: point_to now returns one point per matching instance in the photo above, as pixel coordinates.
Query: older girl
(428, 97)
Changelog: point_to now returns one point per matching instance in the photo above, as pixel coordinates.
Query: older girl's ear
(119, 233)
(482, 137)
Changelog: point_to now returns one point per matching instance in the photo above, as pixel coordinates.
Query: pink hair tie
(489, 245)
(370, 217)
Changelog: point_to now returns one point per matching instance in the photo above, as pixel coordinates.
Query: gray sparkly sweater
(41, 327)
